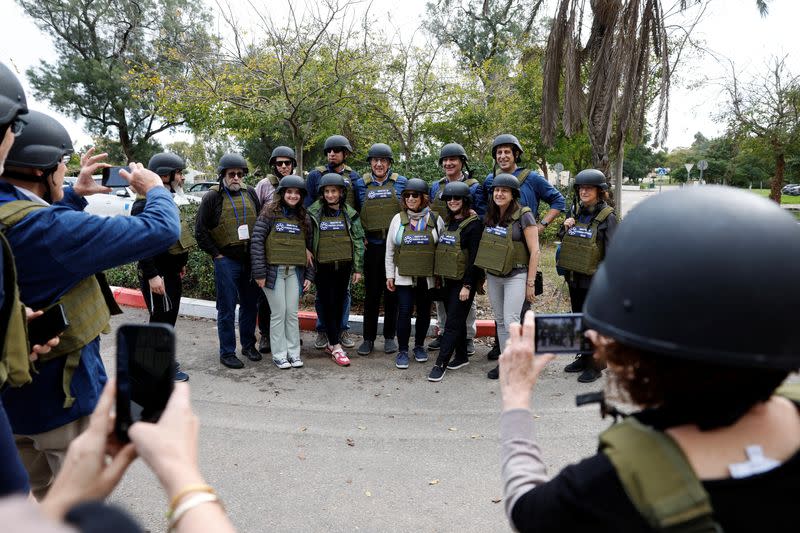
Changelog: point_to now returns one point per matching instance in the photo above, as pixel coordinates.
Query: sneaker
(470, 348)
(435, 343)
(180, 376)
(251, 353)
(579, 364)
(340, 358)
(295, 361)
(437, 373)
(420, 355)
(389, 346)
(321, 341)
(494, 353)
(494, 373)
(366, 347)
(263, 344)
(346, 340)
(283, 364)
(231, 361)
(401, 361)
(455, 364)
(590, 374)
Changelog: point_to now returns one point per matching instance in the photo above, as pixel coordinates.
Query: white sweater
(391, 269)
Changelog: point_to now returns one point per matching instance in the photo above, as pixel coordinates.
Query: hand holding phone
(113, 178)
(561, 334)
(48, 325)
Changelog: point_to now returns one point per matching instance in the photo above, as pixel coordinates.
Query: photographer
(714, 447)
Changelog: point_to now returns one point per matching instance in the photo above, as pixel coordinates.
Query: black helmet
(591, 176)
(507, 180)
(453, 150)
(332, 178)
(165, 163)
(283, 151)
(337, 141)
(292, 181)
(42, 144)
(506, 138)
(380, 150)
(12, 97)
(678, 289)
(456, 188)
(416, 184)
(231, 161)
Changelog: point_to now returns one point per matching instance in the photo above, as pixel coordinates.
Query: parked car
(119, 201)
(792, 190)
(199, 188)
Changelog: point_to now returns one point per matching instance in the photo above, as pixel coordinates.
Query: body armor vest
(286, 243)
(580, 251)
(273, 179)
(441, 207)
(415, 256)
(498, 253)
(334, 242)
(380, 204)
(451, 258)
(15, 366)
(236, 211)
(345, 173)
(186, 241)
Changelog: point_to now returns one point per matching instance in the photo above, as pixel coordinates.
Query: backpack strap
(14, 211)
(523, 175)
(604, 214)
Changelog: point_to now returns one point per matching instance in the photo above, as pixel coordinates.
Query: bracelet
(530, 283)
(191, 503)
(188, 489)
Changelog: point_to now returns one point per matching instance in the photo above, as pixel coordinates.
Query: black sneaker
(365, 348)
(251, 353)
(494, 373)
(263, 344)
(580, 363)
(590, 374)
(437, 373)
(494, 353)
(231, 361)
(435, 343)
(455, 364)
(180, 376)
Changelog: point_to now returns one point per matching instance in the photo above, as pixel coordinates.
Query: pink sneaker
(340, 357)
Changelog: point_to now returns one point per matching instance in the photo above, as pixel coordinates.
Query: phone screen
(561, 334)
(145, 373)
(112, 178)
(49, 324)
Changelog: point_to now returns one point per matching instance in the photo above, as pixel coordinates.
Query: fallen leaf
(303, 428)
(351, 442)
(301, 456)
(452, 429)
(536, 416)
(433, 482)
(362, 427)
(497, 500)
(475, 436)
(367, 493)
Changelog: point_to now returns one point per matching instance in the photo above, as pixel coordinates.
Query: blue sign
(332, 225)
(379, 193)
(447, 239)
(497, 230)
(418, 239)
(585, 233)
(285, 227)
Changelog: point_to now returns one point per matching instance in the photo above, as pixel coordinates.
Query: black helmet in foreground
(12, 97)
(453, 150)
(42, 144)
(165, 163)
(292, 181)
(416, 184)
(380, 150)
(591, 176)
(688, 277)
(337, 141)
(332, 178)
(283, 151)
(458, 189)
(506, 138)
(231, 161)
(507, 180)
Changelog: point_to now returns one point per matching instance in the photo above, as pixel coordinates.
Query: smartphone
(112, 177)
(561, 334)
(49, 324)
(145, 374)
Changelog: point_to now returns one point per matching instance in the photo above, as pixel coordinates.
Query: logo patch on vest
(585, 233)
(447, 239)
(416, 239)
(497, 230)
(332, 225)
(374, 194)
(285, 227)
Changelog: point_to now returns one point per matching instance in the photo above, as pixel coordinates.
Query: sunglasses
(451, 198)
(411, 195)
(337, 150)
(283, 163)
(235, 174)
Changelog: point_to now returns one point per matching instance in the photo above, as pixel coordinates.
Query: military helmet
(337, 141)
(292, 181)
(507, 180)
(456, 188)
(42, 144)
(12, 97)
(506, 138)
(453, 150)
(380, 150)
(283, 151)
(678, 289)
(165, 163)
(332, 178)
(591, 176)
(416, 184)
(231, 161)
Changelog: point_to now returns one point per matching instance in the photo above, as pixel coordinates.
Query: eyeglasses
(18, 125)
(411, 194)
(283, 163)
(235, 174)
(451, 198)
(382, 160)
(336, 150)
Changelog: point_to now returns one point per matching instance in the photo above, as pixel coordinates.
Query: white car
(120, 200)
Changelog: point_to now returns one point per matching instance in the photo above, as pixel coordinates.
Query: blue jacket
(534, 189)
(54, 249)
(399, 187)
(355, 186)
(476, 191)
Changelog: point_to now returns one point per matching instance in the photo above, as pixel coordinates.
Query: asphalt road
(364, 448)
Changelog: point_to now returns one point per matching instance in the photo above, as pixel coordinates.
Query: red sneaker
(340, 357)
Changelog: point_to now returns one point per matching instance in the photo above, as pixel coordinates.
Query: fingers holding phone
(44, 327)
(140, 179)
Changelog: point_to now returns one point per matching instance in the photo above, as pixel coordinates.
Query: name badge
(497, 230)
(447, 239)
(374, 194)
(584, 233)
(331, 225)
(244, 232)
(413, 240)
(285, 227)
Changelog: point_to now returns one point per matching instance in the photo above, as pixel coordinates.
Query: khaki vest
(186, 241)
(334, 243)
(345, 173)
(498, 253)
(523, 175)
(226, 233)
(437, 204)
(273, 179)
(580, 251)
(286, 243)
(15, 366)
(416, 254)
(451, 259)
(380, 204)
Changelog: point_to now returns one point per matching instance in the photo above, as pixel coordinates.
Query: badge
(285, 227)
(331, 225)
(584, 233)
(447, 239)
(373, 194)
(413, 240)
(244, 232)
(497, 230)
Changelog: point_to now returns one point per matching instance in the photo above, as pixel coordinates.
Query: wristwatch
(544, 223)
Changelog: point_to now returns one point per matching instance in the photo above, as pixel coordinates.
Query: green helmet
(591, 176)
(12, 97)
(507, 180)
(506, 138)
(165, 163)
(283, 151)
(42, 144)
(292, 182)
(337, 141)
(231, 161)
(380, 150)
(453, 150)
(416, 184)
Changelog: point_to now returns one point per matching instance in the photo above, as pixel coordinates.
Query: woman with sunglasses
(455, 264)
(410, 250)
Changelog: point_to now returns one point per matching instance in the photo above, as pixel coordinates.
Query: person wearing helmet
(161, 275)
(585, 236)
(381, 203)
(409, 262)
(338, 249)
(283, 162)
(714, 433)
(337, 149)
(281, 249)
(507, 155)
(225, 221)
(453, 160)
(55, 247)
(455, 266)
(509, 252)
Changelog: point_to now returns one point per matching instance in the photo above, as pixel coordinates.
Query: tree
(98, 43)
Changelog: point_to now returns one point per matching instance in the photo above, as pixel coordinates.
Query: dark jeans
(332, 284)
(577, 296)
(454, 338)
(345, 320)
(164, 309)
(263, 314)
(409, 296)
(234, 284)
(374, 288)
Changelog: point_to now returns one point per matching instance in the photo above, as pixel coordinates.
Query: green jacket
(353, 226)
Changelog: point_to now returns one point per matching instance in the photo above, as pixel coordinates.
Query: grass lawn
(785, 198)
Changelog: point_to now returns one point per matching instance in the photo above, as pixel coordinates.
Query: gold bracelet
(188, 489)
(188, 505)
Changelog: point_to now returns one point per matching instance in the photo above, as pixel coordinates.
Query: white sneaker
(296, 362)
(283, 364)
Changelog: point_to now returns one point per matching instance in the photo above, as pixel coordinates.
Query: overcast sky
(730, 28)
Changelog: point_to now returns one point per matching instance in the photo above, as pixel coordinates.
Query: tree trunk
(618, 165)
(777, 180)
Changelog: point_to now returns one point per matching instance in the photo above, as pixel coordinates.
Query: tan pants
(43, 454)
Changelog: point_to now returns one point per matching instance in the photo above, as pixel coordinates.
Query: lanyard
(244, 206)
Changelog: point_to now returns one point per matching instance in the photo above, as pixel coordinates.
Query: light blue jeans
(506, 295)
(284, 327)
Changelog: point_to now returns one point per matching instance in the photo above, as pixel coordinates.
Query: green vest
(580, 251)
(380, 204)
(286, 243)
(186, 241)
(498, 253)
(15, 366)
(345, 173)
(273, 179)
(415, 256)
(236, 211)
(451, 259)
(334, 243)
(523, 175)
(437, 204)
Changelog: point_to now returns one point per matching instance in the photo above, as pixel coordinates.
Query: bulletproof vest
(15, 366)
(286, 243)
(334, 243)
(236, 211)
(273, 179)
(345, 173)
(86, 306)
(380, 204)
(498, 253)
(523, 175)
(451, 259)
(437, 204)
(580, 251)
(415, 256)
(186, 241)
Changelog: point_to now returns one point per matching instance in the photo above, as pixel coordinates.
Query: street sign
(558, 167)
(689, 167)
(702, 164)
(661, 171)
